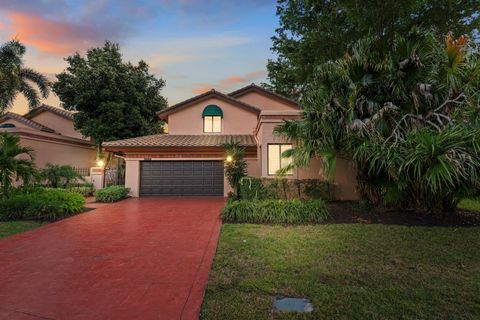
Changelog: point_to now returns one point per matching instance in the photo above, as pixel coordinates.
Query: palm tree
(408, 119)
(15, 78)
(16, 162)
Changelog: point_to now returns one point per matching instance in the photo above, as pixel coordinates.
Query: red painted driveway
(145, 258)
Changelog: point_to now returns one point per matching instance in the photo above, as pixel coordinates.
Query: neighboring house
(51, 134)
(188, 160)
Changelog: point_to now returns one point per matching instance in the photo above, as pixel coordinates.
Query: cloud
(230, 82)
(50, 36)
(162, 59)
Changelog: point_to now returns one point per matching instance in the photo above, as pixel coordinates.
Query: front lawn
(8, 228)
(349, 271)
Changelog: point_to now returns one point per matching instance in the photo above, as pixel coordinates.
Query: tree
(313, 32)
(16, 162)
(409, 119)
(59, 176)
(235, 165)
(15, 78)
(112, 99)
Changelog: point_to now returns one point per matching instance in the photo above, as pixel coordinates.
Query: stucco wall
(57, 123)
(17, 124)
(345, 180)
(132, 174)
(265, 102)
(236, 120)
(59, 153)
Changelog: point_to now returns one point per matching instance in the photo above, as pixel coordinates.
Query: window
(212, 119)
(7, 125)
(212, 124)
(275, 160)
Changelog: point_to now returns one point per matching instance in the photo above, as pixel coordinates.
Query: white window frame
(282, 161)
(211, 129)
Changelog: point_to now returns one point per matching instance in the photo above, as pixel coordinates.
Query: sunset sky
(193, 44)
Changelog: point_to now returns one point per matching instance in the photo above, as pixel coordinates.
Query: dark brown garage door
(181, 178)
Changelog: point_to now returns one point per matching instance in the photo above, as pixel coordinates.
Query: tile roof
(254, 87)
(28, 122)
(169, 140)
(207, 95)
(61, 112)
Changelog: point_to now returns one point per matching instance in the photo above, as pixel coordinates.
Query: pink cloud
(202, 88)
(49, 36)
(230, 82)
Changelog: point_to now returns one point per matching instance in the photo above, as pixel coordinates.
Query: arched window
(212, 119)
(7, 125)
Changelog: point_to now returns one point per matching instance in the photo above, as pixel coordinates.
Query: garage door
(181, 178)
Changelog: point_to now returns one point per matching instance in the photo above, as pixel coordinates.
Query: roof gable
(254, 88)
(46, 108)
(30, 123)
(205, 96)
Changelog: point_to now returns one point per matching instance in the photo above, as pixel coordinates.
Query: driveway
(144, 258)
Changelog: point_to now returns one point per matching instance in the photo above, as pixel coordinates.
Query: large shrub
(16, 163)
(40, 204)
(85, 189)
(235, 166)
(59, 176)
(294, 211)
(111, 194)
(282, 188)
(410, 119)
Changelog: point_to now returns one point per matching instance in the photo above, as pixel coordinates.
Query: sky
(194, 45)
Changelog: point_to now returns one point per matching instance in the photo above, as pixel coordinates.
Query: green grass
(349, 271)
(470, 204)
(11, 227)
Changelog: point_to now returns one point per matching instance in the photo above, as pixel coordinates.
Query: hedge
(276, 211)
(86, 189)
(42, 204)
(282, 188)
(111, 194)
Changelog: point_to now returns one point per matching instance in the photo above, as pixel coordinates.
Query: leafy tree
(235, 165)
(313, 32)
(112, 99)
(59, 176)
(15, 78)
(409, 119)
(16, 162)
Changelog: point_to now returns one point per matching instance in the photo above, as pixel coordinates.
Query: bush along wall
(39, 203)
(282, 188)
(276, 211)
(111, 194)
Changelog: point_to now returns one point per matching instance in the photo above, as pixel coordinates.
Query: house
(51, 134)
(189, 159)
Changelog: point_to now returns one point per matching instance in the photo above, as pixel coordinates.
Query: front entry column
(132, 176)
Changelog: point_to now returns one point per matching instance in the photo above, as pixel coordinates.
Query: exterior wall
(59, 153)
(266, 136)
(235, 119)
(265, 102)
(59, 124)
(18, 124)
(345, 180)
(132, 173)
(132, 176)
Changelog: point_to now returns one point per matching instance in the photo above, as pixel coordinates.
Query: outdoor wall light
(229, 158)
(100, 163)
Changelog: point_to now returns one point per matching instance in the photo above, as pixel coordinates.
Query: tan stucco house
(51, 134)
(189, 160)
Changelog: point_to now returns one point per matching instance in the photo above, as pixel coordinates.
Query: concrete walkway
(145, 258)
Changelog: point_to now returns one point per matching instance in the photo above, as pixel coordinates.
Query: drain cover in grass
(292, 304)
